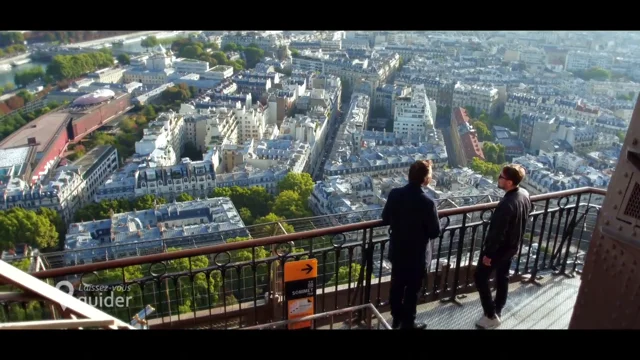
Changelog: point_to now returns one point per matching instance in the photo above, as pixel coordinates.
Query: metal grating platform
(528, 307)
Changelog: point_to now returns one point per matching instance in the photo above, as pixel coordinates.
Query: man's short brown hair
(419, 170)
(514, 172)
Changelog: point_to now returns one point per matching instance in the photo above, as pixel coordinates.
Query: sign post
(300, 290)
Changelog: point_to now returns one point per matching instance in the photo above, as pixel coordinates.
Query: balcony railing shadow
(239, 283)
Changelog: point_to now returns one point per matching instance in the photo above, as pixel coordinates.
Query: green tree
(594, 73)
(270, 227)
(18, 225)
(116, 277)
(149, 112)
(343, 275)
(149, 41)
(184, 197)
(26, 96)
(486, 168)
(254, 198)
(483, 131)
(191, 51)
(253, 55)
(201, 293)
(105, 208)
(147, 201)
(291, 205)
(124, 59)
(22, 264)
(72, 66)
(175, 94)
(8, 38)
(28, 76)
(230, 47)
(220, 57)
(245, 215)
(245, 289)
(56, 220)
(11, 123)
(493, 153)
(300, 183)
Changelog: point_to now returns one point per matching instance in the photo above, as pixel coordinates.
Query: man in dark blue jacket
(413, 221)
(506, 230)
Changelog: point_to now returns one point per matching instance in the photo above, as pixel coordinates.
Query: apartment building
(580, 61)
(481, 98)
(109, 76)
(142, 232)
(413, 112)
(189, 66)
(536, 128)
(521, 103)
(66, 190)
(162, 140)
(464, 138)
(265, 41)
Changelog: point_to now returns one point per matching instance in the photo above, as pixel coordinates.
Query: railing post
(555, 257)
(365, 266)
(369, 270)
(456, 275)
(568, 238)
(534, 273)
(584, 225)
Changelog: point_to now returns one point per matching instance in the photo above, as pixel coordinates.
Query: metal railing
(379, 321)
(115, 250)
(76, 324)
(239, 283)
(78, 313)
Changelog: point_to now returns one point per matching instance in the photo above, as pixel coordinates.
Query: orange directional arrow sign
(308, 269)
(300, 290)
(299, 270)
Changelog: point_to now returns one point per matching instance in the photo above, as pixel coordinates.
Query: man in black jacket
(506, 230)
(413, 221)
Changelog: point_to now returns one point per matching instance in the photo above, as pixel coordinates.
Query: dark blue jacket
(413, 221)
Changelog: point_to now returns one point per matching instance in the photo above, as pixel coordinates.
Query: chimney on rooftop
(31, 141)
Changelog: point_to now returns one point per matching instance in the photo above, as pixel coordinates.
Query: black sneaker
(416, 326)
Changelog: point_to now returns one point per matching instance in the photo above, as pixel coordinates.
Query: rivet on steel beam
(626, 174)
(606, 222)
(615, 207)
(620, 228)
(619, 192)
(634, 142)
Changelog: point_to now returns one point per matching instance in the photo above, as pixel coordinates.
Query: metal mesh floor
(528, 307)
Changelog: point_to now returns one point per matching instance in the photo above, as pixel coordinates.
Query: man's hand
(486, 261)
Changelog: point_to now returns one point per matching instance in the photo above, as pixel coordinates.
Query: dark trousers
(406, 282)
(482, 275)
